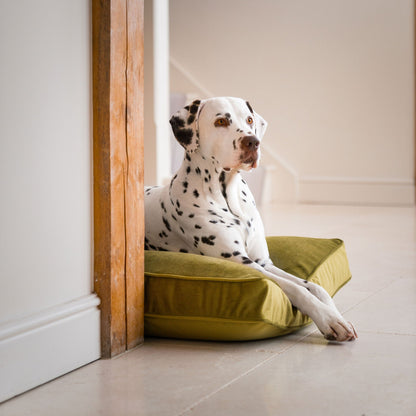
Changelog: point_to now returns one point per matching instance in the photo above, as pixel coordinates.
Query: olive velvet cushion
(196, 297)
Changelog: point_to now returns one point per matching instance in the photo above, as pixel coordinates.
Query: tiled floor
(293, 375)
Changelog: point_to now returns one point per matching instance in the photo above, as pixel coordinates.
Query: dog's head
(225, 129)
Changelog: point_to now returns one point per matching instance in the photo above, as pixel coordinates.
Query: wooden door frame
(118, 89)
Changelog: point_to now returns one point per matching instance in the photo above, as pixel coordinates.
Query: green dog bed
(197, 297)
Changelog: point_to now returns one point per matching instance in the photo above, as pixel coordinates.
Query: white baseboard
(46, 345)
(358, 191)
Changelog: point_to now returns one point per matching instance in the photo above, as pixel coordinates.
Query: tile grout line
(348, 309)
(224, 386)
(401, 334)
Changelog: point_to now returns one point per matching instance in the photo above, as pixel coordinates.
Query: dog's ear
(184, 126)
(260, 124)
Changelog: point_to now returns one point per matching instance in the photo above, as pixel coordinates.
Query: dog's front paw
(334, 327)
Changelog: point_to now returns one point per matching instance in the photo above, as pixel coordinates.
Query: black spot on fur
(187, 157)
(198, 171)
(208, 240)
(236, 253)
(191, 119)
(224, 190)
(223, 186)
(198, 227)
(249, 107)
(171, 182)
(188, 170)
(226, 255)
(162, 234)
(177, 122)
(191, 215)
(246, 260)
(166, 222)
(212, 212)
(184, 136)
(194, 106)
(196, 193)
(196, 206)
(182, 250)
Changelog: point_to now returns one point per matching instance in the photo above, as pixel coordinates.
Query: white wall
(48, 315)
(334, 79)
(150, 163)
(157, 129)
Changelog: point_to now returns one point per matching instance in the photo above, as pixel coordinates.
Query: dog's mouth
(251, 160)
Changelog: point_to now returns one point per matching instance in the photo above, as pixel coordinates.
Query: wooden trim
(118, 171)
(135, 169)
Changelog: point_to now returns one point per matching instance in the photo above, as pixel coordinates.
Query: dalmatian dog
(208, 209)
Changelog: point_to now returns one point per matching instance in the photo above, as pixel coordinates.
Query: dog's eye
(222, 122)
(249, 120)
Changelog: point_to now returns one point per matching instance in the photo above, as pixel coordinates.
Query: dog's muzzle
(250, 146)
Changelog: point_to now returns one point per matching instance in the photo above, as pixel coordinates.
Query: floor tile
(391, 310)
(317, 378)
(161, 378)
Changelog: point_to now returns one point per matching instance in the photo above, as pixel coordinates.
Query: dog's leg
(315, 289)
(326, 317)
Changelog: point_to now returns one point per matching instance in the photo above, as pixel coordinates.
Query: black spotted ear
(184, 126)
(260, 124)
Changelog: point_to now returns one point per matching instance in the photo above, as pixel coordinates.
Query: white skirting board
(46, 345)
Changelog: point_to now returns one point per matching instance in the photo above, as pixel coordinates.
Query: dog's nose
(250, 143)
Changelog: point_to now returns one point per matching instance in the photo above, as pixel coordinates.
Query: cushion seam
(203, 278)
(216, 319)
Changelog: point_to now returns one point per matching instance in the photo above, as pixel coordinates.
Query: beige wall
(334, 79)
